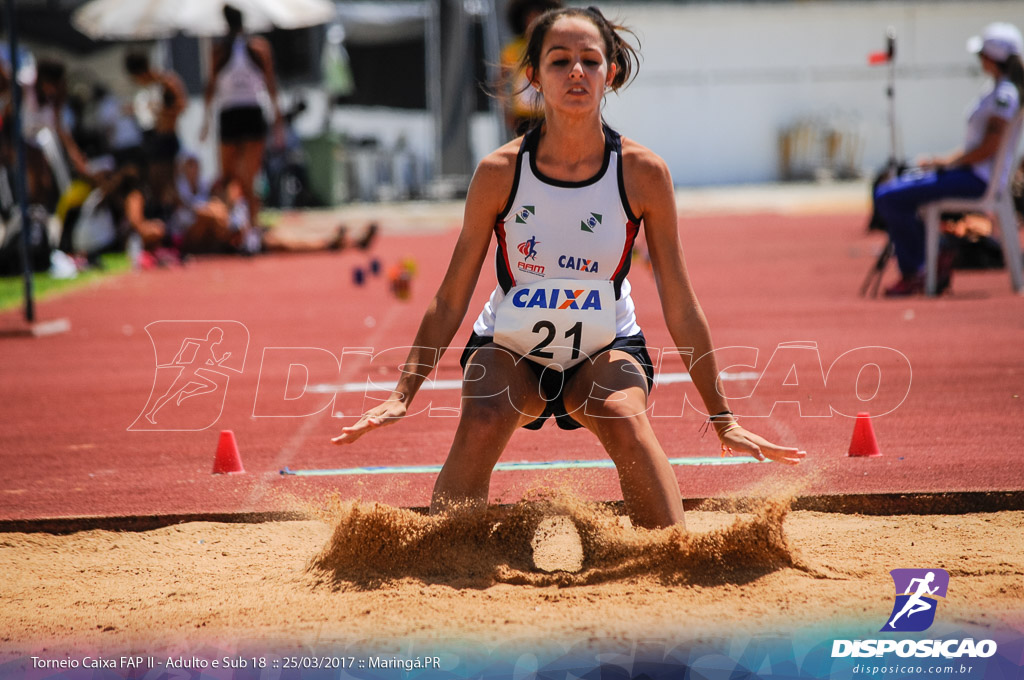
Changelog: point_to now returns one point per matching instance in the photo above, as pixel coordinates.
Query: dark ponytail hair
(617, 50)
(518, 12)
(1013, 69)
(233, 18)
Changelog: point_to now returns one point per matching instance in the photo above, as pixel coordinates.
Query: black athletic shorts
(242, 124)
(552, 381)
(160, 147)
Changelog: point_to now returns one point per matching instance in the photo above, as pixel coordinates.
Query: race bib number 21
(557, 322)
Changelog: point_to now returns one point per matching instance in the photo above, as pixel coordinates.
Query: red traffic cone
(864, 443)
(227, 460)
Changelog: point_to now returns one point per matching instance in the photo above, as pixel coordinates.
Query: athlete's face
(574, 69)
(989, 66)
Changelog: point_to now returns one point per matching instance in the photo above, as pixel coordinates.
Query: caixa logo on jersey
(558, 298)
(577, 263)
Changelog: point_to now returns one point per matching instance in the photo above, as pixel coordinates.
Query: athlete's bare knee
(616, 407)
(621, 433)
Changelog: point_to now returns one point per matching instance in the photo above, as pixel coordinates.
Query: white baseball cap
(997, 42)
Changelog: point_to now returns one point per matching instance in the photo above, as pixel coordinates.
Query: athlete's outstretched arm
(487, 195)
(652, 198)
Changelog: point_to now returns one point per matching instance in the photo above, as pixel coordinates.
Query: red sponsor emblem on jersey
(531, 268)
(529, 248)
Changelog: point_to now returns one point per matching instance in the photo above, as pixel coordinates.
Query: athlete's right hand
(388, 413)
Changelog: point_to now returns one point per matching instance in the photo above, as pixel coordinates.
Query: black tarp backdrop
(11, 29)
(47, 22)
(387, 49)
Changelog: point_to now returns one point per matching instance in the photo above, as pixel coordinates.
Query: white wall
(718, 82)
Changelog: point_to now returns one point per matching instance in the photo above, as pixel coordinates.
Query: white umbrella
(153, 19)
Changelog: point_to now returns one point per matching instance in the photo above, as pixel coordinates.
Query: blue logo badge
(529, 248)
(577, 263)
(916, 593)
(557, 298)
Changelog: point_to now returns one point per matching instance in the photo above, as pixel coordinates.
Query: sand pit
(377, 574)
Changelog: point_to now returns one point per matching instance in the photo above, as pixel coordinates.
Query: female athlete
(566, 202)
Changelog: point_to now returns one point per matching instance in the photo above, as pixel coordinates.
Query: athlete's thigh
(229, 155)
(495, 377)
(613, 384)
(251, 158)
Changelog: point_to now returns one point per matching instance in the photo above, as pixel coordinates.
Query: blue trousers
(898, 200)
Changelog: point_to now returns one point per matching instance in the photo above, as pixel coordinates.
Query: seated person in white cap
(963, 174)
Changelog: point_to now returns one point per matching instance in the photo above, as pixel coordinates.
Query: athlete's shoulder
(258, 42)
(1005, 97)
(501, 161)
(259, 48)
(641, 164)
(495, 174)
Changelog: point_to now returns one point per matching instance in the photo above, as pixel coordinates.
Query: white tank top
(565, 230)
(240, 82)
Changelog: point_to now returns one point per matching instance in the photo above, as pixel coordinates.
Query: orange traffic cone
(864, 443)
(227, 460)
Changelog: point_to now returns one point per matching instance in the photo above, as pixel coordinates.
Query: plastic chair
(997, 202)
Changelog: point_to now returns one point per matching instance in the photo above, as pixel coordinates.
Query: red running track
(764, 281)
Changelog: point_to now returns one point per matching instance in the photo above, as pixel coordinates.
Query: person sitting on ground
(142, 218)
(88, 226)
(202, 221)
(208, 222)
(963, 174)
(163, 241)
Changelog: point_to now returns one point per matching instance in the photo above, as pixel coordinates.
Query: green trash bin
(328, 175)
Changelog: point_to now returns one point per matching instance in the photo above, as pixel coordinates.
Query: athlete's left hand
(386, 413)
(740, 440)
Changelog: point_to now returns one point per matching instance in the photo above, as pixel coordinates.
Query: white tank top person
(240, 82)
(553, 229)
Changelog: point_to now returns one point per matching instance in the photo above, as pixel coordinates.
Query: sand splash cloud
(374, 544)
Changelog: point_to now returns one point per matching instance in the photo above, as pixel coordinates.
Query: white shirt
(1003, 101)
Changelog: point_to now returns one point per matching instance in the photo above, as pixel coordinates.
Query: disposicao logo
(195, 361)
(916, 593)
(913, 611)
